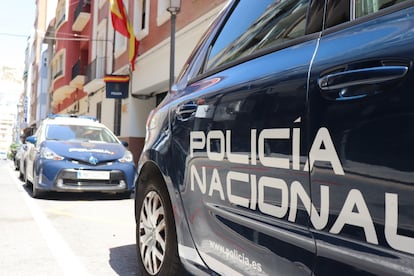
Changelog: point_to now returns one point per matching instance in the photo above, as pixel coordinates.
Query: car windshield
(80, 133)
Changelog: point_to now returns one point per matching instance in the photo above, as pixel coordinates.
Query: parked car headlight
(47, 153)
(128, 157)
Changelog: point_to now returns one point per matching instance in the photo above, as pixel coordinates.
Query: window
(99, 111)
(365, 7)
(61, 12)
(117, 116)
(101, 44)
(79, 132)
(338, 11)
(142, 18)
(341, 11)
(257, 25)
(162, 14)
(120, 40)
(58, 63)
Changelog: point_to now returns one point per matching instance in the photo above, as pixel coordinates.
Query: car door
(239, 141)
(361, 157)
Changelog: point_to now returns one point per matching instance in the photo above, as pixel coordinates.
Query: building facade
(81, 47)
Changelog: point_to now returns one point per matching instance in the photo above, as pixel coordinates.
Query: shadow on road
(74, 196)
(123, 260)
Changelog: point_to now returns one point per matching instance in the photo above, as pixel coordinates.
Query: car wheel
(155, 232)
(36, 193)
(26, 180)
(21, 175)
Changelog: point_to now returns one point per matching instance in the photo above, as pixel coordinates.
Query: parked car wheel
(21, 175)
(25, 179)
(36, 192)
(155, 232)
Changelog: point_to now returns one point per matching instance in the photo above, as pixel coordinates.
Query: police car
(77, 154)
(286, 145)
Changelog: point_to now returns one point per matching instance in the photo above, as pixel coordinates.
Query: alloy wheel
(152, 233)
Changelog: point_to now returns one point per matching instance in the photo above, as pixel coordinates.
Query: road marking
(63, 254)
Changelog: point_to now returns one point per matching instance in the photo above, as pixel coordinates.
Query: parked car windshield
(79, 132)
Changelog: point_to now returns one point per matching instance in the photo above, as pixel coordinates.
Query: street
(64, 234)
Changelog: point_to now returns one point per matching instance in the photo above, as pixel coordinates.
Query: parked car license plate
(93, 175)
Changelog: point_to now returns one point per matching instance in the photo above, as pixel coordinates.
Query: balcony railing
(82, 15)
(78, 70)
(78, 75)
(95, 73)
(83, 6)
(96, 69)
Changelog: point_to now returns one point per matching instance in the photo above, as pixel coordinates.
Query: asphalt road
(64, 234)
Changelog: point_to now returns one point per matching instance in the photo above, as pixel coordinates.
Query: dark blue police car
(286, 145)
(75, 154)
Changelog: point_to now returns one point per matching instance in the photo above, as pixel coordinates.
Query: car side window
(341, 11)
(256, 25)
(365, 7)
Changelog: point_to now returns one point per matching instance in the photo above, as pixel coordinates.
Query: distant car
(285, 146)
(3, 155)
(76, 154)
(22, 161)
(18, 156)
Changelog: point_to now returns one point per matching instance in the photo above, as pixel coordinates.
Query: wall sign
(117, 86)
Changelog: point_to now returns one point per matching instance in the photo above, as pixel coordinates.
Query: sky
(16, 25)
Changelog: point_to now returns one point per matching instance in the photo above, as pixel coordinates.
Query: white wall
(107, 112)
(152, 69)
(135, 118)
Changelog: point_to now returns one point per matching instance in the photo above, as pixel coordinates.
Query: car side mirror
(125, 143)
(32, 139)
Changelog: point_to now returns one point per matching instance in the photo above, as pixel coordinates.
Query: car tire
(21, 175)
(26, 180)
(36, 192)
(155, 232)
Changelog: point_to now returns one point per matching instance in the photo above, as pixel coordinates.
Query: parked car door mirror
(31, 139)
(125, 143)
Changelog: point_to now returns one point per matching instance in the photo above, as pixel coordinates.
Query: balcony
(95, 73)
(82, 15)
(78, 75)
(61, 93)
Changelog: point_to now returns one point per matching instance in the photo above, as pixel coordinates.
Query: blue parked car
(77, 154)
(285, 146)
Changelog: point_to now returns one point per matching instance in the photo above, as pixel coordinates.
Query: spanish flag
(121, 24)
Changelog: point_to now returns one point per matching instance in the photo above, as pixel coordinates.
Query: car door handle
(373, 75)
(186, 111)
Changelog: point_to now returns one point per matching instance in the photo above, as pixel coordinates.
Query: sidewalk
(23, 251)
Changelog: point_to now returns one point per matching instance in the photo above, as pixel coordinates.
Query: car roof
(72, 120)
(63, 118)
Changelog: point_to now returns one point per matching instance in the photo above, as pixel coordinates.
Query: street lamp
(173, 8)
